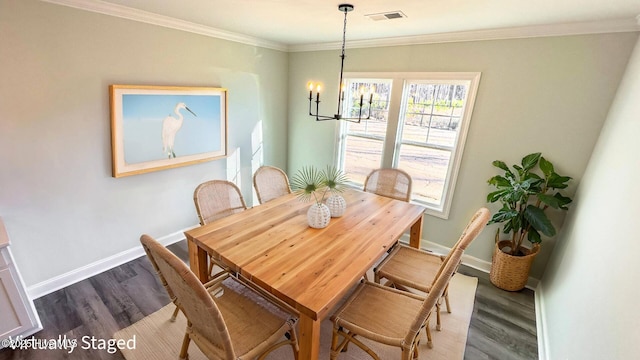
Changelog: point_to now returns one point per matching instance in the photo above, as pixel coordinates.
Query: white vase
(337, 205)
(318, 216)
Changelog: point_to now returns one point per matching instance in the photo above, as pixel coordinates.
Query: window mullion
(427, 146)
(367, 136)
(391, 145)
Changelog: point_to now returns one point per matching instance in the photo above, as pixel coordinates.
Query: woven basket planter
(510, 272)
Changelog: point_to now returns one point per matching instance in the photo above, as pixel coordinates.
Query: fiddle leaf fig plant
(525, 196)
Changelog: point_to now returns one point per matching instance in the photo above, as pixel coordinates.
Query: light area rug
(158, 338)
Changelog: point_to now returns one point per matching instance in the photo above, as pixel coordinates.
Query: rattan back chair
(165, 285)
(216, 199)
(393, 183)
(387, 315)
(225, 319)
(410, 268)
(270, 183)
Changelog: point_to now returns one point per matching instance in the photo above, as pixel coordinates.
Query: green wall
(540, 94)
(61, 207)
(57, 195)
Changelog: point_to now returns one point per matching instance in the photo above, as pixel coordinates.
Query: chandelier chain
(344, 32)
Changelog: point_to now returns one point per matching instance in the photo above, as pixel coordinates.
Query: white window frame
(390, 151)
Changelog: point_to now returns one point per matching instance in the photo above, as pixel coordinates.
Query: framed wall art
(161, 127)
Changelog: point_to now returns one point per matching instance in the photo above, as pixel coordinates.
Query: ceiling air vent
(387, 15)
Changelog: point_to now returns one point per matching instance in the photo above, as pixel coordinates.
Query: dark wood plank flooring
(502, 326)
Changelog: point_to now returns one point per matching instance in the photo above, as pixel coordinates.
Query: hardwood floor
(502, 326)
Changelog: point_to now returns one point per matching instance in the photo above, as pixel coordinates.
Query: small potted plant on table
(525, 197)
(311, 183)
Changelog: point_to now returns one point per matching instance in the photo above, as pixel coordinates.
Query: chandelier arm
(323, 118)
(356, 119)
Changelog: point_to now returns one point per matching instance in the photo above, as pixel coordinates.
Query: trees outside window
(418, 124)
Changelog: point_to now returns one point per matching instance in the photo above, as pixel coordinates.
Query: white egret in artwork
(170, 126)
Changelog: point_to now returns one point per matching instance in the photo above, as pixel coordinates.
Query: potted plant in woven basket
(525, 196)
(311, 183)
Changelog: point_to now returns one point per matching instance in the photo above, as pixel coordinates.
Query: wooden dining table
(309, 269)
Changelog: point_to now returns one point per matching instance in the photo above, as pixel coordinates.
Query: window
(418, 124)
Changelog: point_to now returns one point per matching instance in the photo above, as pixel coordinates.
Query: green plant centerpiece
(310, 183)
(525, 195)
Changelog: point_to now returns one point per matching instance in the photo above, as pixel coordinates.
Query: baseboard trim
(58, 282)
(540, 323)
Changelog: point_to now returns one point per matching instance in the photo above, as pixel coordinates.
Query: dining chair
(225, 319)
(393, 183)
(387, 315)
(216, 199)
(409, 268)
(270, 183)
(166, 287)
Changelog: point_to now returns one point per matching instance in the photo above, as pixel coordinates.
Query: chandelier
(338, 115)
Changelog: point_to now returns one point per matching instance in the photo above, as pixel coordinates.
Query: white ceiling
(302, 22)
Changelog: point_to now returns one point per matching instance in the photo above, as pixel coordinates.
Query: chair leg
(409, 354)
(184, 351)
(345, 348)
(338, 347)
(446, 299)
(294, 342)
(334, 344)
(438, 305)
(175, 314)
(429, 342)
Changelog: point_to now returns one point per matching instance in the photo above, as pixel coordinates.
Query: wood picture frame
(161, 127)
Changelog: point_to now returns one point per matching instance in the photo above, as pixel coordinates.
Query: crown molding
(125, 12)
(578, 28)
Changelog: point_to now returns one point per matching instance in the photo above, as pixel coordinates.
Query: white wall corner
(540, 323)
(58, 282)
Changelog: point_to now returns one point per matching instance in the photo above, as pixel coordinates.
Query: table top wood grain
(310, 269)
